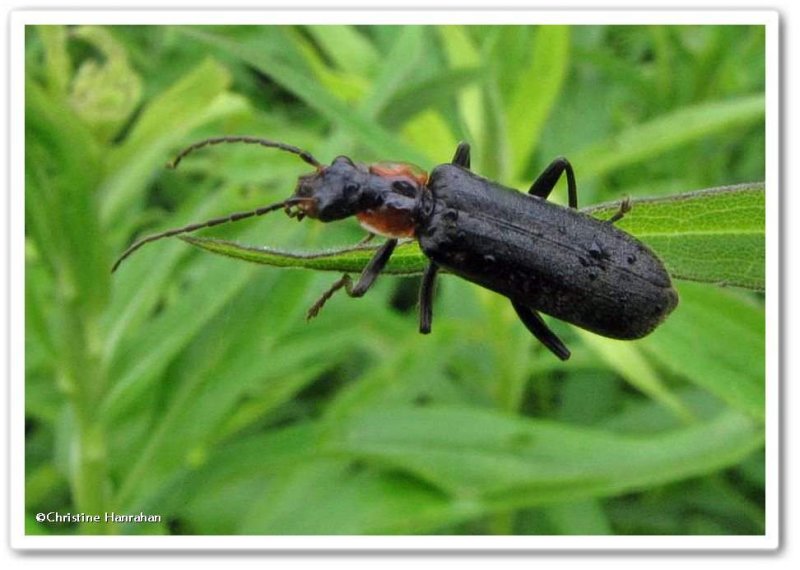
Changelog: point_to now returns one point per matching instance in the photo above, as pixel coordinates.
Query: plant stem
(83, 381)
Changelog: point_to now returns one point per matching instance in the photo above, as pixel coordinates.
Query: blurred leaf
(349, 50)
(161, 339)
(194, 100)
(680, 127)
(580, 518)
(536, 93)
(57, 64)
(105, 94)
(331, 497)
(434, 92)
(61, 170)
(713, 236)
(364, 130)
(346, 86)
(628, 361)
(463, 54)
(510, 461)
(730, 329)
(430, 133)
(398, 69)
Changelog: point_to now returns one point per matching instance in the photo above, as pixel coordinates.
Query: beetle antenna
(207, 224)
(304, 154)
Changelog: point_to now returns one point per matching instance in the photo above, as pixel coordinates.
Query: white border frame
(18, 539)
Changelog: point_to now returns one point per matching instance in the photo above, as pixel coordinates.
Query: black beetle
(542, 256)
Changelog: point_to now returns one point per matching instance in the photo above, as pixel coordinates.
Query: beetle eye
(351, 188)
(404, 187)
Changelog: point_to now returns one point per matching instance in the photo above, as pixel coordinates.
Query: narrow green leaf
(61, 173)
(400, 64)
(330, 497)
(627, 360)
(580, 518)
(433, 92)
(407, 258)
(669, 131)
(366, 131)
(159, 342)
(730, 329)
(191, 101)
(430, 133)
(57, 64)
(712, 236)
(536, 93)
(349, 49)
(462, 53)
(515, 462)
(341, 83)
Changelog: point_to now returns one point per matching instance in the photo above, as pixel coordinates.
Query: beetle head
(333, 192)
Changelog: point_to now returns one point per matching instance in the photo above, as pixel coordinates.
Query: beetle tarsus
(367, 279)
(624, 208)
(314, 309)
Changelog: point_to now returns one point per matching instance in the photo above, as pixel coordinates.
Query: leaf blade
(711, 236)
(505, 460)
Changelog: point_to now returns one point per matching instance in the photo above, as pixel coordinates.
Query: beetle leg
(461, 157)
(624, 208)
(546, 181)
(426, 298)
(534, 323)
(314, 309)
(368, 277)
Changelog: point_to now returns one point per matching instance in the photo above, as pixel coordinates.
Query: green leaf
(397, 70)
(330, 497)
(164, 337)
(58, 66)
(195, 99)
(105, 92)
(429, 93)
(579, 518)
(729, 327)
(668, 131)
(61, 171)
(536, 93)
(361, 127)
(627, 360)
(711, 236)
(344, 85)
(407, 258)
(348, 49)
(506, 460)
(461, 53)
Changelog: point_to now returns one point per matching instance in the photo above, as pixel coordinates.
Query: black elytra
(543, 257)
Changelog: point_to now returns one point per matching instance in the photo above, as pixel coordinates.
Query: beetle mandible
(544, 257)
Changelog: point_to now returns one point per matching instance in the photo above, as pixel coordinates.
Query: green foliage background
(189, 385)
